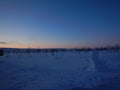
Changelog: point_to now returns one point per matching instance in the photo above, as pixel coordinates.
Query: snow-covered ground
(93, 70)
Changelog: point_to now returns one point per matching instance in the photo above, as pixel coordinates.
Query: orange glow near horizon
(40, 46)
(13, 46)
(47, 46)
(36, 46)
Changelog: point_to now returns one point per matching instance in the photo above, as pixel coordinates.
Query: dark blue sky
(59, 23)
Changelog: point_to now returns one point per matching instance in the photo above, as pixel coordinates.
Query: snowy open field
(61, 71)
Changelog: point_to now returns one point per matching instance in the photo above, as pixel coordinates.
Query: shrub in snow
(1, 52)
(52, 51)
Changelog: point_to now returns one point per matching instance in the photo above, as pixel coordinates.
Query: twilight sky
(59, 23)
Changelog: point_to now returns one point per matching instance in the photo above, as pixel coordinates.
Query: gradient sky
(59, 23)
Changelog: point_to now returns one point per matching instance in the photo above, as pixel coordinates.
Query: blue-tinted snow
(98, 70)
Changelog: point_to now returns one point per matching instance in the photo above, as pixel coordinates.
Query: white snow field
(93, 70)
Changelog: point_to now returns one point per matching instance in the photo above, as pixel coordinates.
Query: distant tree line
(55, 50)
